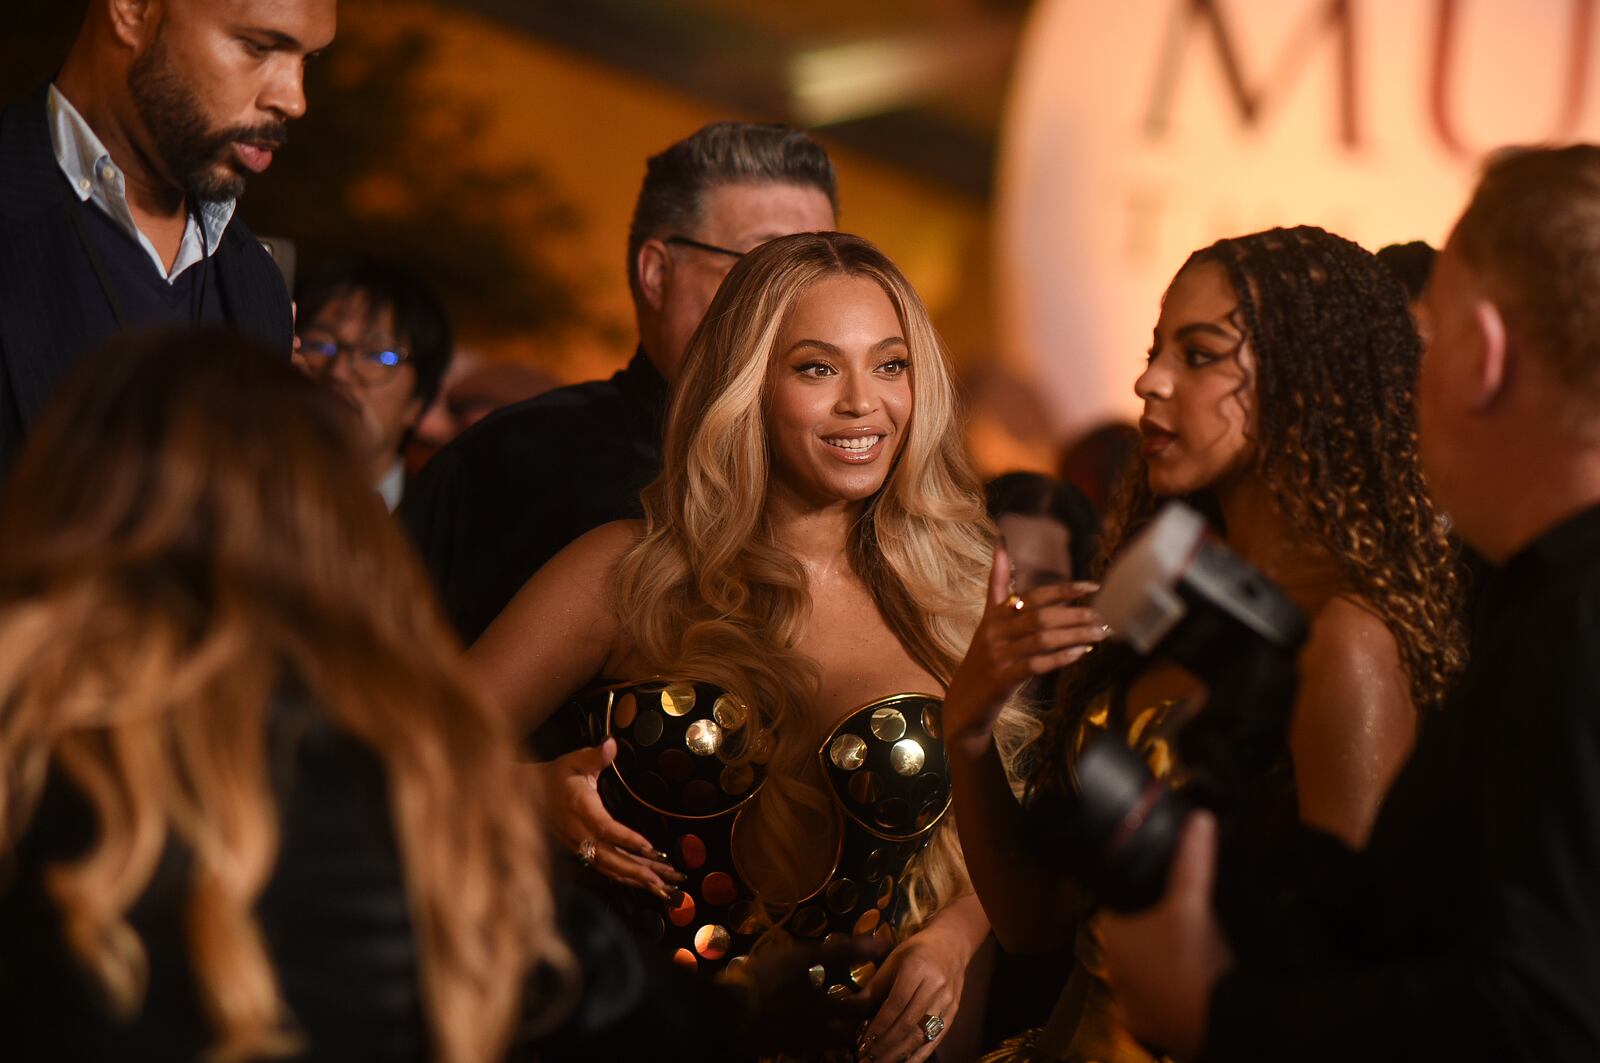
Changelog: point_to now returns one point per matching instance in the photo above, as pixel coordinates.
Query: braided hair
(1337, 357)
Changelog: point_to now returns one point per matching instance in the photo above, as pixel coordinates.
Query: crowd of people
(719, 710)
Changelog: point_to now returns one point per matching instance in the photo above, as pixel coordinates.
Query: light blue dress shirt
(98, 180)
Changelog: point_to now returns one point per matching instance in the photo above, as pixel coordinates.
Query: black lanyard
(197, 304)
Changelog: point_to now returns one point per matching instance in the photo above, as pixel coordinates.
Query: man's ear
(133, 22)
(1493, 369)
(654, 266)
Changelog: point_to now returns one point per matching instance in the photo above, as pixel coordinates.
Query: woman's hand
(1016, 640)
(1163, 963)
(786, 1012)
(922, 977)
(570, 800)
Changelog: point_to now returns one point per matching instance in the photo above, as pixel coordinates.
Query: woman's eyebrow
(823, 345)
(1209, 328)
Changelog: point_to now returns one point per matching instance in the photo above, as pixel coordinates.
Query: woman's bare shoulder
(1354, 719)
(610, 540)
(1348, 633)
(574, 586)
(1352, 676)
(559, 631)
(591, 556)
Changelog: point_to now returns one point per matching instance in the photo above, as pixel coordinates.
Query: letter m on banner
(1206, 18)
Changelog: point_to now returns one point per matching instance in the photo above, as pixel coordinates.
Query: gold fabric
(1082, 1028)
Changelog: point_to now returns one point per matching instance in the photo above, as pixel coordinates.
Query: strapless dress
(691, 759)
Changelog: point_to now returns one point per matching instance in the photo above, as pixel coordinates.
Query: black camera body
(1179, 594)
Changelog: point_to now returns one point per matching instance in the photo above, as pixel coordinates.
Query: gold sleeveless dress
(1082, 1028)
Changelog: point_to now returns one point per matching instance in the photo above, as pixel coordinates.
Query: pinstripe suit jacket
(42, 330)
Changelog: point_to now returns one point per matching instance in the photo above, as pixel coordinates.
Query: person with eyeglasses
(490, 508)
(380, 335)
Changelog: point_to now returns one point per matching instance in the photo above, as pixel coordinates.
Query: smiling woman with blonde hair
(765, 653)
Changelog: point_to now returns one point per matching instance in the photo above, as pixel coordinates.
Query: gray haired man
(493, 506)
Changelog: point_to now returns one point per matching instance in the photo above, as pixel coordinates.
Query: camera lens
(1129, 823)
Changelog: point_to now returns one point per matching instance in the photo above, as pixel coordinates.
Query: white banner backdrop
(1140, 130)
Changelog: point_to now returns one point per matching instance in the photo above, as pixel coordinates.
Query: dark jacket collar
(1554, 556)
(644, 386)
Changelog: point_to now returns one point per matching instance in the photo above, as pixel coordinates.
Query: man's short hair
(420, 320)
(1533, 230)
(1411, 263)
(677, 179)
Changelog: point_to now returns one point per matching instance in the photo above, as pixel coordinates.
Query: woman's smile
(841, 392)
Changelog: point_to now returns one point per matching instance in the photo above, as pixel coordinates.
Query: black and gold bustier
(690, 761)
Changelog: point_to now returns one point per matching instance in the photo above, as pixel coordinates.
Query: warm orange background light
(1098, 207)
(589, 127)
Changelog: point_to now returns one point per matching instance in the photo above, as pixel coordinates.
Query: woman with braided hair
(1277, 400)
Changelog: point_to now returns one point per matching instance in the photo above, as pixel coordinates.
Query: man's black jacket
(1482, 897)
(497, 503)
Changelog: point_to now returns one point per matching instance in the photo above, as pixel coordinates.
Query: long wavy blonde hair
(712, 594)
(188, 531)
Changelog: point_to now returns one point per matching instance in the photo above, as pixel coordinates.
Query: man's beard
(193, 153)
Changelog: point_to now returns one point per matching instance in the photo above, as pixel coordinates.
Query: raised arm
(1025, 902)
(1354, 722)
(558, 634)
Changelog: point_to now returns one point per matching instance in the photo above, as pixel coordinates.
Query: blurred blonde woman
(759, 663)
(250, 807)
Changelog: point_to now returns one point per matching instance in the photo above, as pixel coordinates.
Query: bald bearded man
(118, 184)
